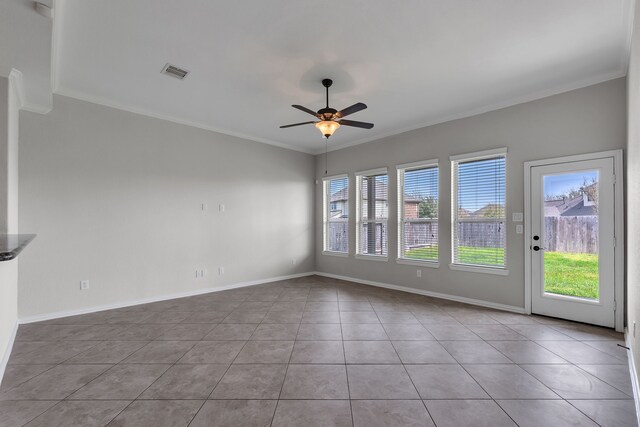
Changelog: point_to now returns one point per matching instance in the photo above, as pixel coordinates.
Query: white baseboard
(7, 351)
(59, 314)
(634, 376)
(465, 300)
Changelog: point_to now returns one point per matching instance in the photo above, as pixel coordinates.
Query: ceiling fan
(329, 116)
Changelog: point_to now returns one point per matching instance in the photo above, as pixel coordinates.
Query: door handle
(538, 248)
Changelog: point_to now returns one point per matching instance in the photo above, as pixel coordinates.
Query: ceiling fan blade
(306, 110)
(353, 123)
(296, 124)
(350, 110)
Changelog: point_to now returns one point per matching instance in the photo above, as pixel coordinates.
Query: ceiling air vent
(177, 72)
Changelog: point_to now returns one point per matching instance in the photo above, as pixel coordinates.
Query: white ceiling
(413, 62)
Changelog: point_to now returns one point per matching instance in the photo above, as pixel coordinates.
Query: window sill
(477, 269)
(338, 254)
(372, 257)
(429, 264)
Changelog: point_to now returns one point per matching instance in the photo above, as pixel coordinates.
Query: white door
(572, 240)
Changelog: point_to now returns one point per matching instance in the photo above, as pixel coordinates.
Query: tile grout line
(287, 368)
(204, 402)
(381, 298)
(346, 366)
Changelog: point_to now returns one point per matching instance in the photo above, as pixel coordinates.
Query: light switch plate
(519, 229)
(517, 217)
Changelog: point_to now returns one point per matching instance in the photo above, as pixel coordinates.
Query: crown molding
(70, 93)
(488, 108)
(621, 72)
(17, 80)
(629, 8)
(15, 77)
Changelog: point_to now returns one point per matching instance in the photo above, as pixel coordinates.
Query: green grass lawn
(571, 274)
(430, 253)
(565, 273)
(467, 255)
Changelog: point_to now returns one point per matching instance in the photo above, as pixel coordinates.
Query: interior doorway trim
(618, 200)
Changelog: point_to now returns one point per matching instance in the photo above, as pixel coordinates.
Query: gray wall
(115, 198)
(633, 197)
(581, 121)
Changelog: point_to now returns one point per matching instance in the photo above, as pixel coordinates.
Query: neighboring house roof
(381, 189)
(576, 206)
(337, 214)
(488, 210)
(464, 213)
(340, 195)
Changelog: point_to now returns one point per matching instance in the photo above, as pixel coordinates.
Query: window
(373, 212)
(418, 212)
(336, 215)
(479, 210)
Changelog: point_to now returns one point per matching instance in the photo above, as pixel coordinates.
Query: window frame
(401, 169)
(326, 206)
(464, 158)
(359, 220)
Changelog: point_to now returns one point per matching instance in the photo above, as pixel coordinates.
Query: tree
(428, 207)
(493, 211)
(590, 188)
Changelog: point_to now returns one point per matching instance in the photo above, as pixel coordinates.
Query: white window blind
(373, 212)
(418, 212)
(336, 214)
(479, 210)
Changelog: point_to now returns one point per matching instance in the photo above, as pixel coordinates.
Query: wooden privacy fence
(337, 237)
(575, 234)
(480, 234)
(420, 234)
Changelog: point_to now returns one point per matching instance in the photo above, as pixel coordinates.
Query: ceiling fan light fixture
(327, 127)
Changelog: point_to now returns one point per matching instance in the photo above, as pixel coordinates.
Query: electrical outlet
(84, 285)
(220, 270)
(517, 216)
(419, 273)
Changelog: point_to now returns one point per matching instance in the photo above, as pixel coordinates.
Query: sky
(337, 185)
(481, 183)
(421, 182)
(561, 184)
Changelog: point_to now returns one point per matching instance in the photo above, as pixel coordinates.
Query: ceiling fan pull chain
(326, 143)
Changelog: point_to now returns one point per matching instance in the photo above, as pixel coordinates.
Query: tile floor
(315, 351)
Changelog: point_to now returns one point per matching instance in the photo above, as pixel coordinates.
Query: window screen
(479, 211)
(418, 212)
